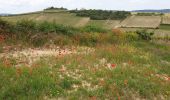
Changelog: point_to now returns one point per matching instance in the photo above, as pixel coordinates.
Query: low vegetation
(165, 26)
(53, 61)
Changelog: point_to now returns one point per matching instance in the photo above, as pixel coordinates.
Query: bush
(65, 30)
(46, 27)
(5, 27)
(131, 36)
(25, 26)
(143, 34)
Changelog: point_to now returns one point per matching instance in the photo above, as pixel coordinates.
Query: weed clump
(144, 35)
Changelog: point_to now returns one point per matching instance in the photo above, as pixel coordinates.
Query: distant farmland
(108, 24)
(67, 18)
(64, 18)
(142, 21)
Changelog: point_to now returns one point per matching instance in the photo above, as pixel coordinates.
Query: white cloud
(20, 6)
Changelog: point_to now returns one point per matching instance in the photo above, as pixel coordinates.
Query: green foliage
(25, 26)
(131, 36)
(93, 28)
(54, 8)
(149, 14)
(164, 26)
(4, 26)
(143, 34)
(46, 27)
(102, 14)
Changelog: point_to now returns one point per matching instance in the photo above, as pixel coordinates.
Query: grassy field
(138, 70)
(165, 27)
(42, 61)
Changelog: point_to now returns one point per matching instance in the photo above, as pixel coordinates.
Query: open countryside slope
(142, 21)
(64, 18)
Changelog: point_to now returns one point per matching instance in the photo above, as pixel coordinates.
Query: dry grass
(142, 22)
(166, 19)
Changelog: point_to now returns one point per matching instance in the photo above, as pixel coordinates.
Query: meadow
(43, 60)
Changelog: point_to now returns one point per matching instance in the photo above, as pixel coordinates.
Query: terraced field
(108, 24)
(142, 21)
(65, 18)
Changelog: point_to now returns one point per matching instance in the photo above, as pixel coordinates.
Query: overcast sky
(20, 6)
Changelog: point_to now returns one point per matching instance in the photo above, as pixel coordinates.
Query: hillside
(56, 55)
(60, 17)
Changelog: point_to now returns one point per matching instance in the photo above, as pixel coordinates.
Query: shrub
(25, 26)
(143, 34)
(46, 27)
(4, 26)
(65, 30)
(131, 36)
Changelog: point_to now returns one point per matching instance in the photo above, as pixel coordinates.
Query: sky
(23, 6)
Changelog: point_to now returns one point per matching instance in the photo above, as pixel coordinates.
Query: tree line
(102, 14)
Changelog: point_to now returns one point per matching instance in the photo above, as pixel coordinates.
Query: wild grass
(165, 27)
(125, 71)
(121, 66)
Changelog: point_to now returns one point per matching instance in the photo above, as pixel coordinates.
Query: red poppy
(2, 38)
(113, 65)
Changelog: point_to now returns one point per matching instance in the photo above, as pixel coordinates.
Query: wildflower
(113, 65)
(118, 96)
(2, 38)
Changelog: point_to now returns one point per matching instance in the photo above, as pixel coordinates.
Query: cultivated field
(107, 24)
(64, 18)
(142, 21)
